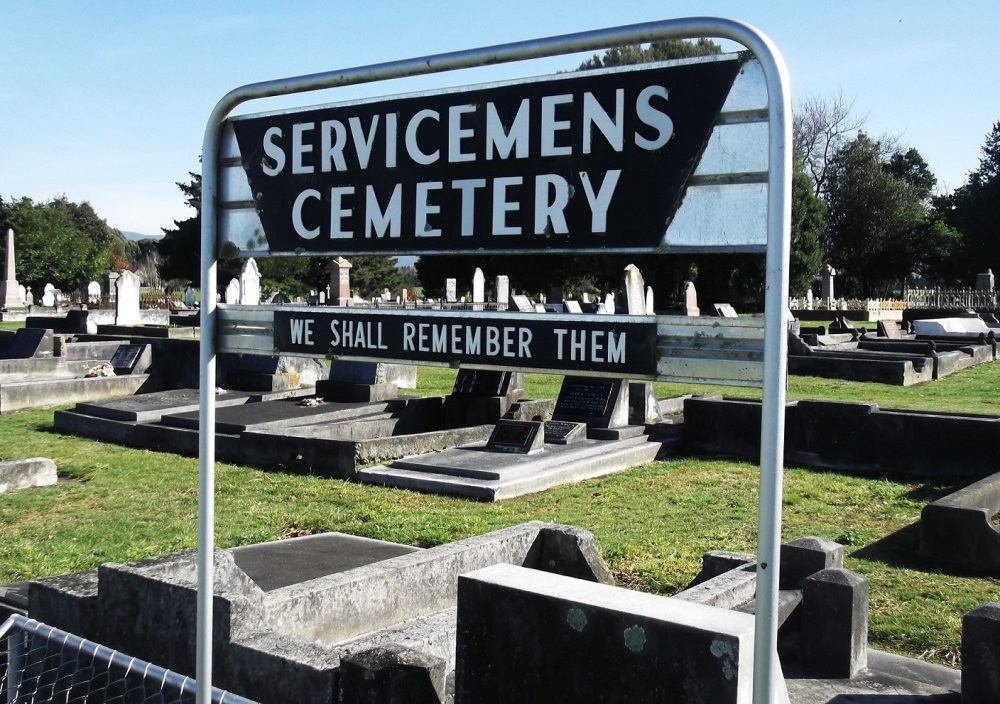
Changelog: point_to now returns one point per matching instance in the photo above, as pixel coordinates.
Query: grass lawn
(651, 523)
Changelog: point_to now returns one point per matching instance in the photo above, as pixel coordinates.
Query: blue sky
(107, 102)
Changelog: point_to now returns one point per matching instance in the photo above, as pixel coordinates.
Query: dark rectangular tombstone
(516, 436)
(600, 403)
(28, 342)
(889, 329)
(522, 304)
(479, 382)
(131, 359)
(725, 310)
(561, 432)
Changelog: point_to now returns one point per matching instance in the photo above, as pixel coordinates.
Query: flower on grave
(100, 370)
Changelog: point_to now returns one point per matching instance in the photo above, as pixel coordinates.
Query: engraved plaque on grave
(516, 436)
(600, 403)
(128, 359)
(560, 432)
(481, 383)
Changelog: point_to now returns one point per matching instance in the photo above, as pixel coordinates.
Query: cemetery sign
(580, 161)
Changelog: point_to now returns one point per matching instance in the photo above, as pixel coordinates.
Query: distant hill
(136, 236)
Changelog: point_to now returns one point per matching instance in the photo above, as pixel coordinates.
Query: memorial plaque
(516, 436)
(889, 329)
(572, 306)
(26, 343)
(600, 403)
(130, 359)
(481, 383)
(522, 304)
(560, 432)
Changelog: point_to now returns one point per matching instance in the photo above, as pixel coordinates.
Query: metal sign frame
(776, 295)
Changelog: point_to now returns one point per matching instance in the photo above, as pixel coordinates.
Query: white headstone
(233, 292)
(9, 294)
(585, 297)
(403, 295)
(22, 293)
(478, 286)
(127, 299)
(48, 298)
(503, 291)
(539, 307)
(950, 326)
(602, 310)
(48, 287)
(322, 298)
(29, 297)
(609, 304)
(571, 306)
(635, 291)
(385, 295)
(94, 292)
(650, 309)
(690, 299)
(450, 290)
(250, 283)
(188, 296)
(809, 299)
(826, 275)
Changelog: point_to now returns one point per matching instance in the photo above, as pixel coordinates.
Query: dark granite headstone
(516, 436)
(561, 432)
(27, 343)
(600, 403)
(479, 382)
(131, 359)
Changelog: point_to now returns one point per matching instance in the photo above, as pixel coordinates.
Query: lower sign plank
(613, 345)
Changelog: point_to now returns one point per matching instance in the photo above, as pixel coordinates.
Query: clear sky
(107, 102)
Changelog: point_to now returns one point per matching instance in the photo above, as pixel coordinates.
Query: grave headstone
(48, 288)
(572, 306)
(809, 299)
(233, 292)
(478, 289)
(826, 276)
(635, 290)
(404, 296)
(250, 283)
(188, 296)
(561, 432)
(29, 297)
(985, 282)
(600, 403)
(322, 298)
(522, 304)
(450, 290)
(889, 329)
(950, 326)
(109, 284)
(28, 343)
(503, 291)
(609, 304)
(691, 299)
(127, 298)
(9, 287)
(22, 293)
(131, 359)
(555, 294)
(94, 292)
(724, 310)
(601, 310)
(279, 299)
(516, 436)
(650, 309)
(340, 282)
(585, 297)
(482, 382)
(385, 295)
(539, 307)
(48, 299)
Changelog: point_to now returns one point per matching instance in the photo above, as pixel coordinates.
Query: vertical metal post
(15, 663)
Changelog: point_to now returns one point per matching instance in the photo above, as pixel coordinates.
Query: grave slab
(285, 413)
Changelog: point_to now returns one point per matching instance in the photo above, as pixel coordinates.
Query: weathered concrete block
(568, 551)
(803, 557)
(392, 675)
(835, 623)
(981, 655)
(958, 528)
(529, 636)
(719, 562)
(27, 473)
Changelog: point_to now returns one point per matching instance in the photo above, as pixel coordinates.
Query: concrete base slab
(287, 413)
(473, 472)
(27, 473)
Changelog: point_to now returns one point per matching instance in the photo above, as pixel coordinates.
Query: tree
(875, 220)
(974, 210)
(911, 168)
(371, 274)
(820, 129)
(808, 223)
(656, 51)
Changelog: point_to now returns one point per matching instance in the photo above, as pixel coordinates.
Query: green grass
(652, 523)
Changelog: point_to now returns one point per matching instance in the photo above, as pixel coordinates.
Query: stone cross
(503, 291)
(9, 296)
(250, 283)
(127, 299)
(634, 286)
(478, 289)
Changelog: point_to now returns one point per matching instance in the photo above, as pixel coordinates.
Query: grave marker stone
(127, 298)
(450, 290)
(188, 296)
(650, 309)
(29, 297)
(478, 289)
(22, 292)
(9, 287)
(609, 304)
(340, 282)
(826, 274)
(984, 282)
(131, 359)
(555, 294)
(322, 298)
(516, 436)
(27, 343)
(94, 292)
(48, 299)
(635, 290)
(724, 310)
(109, 283)
(481, 382)
(250, 283)
(690, 299)
(561, 432)
(233, 292)
(600, 403)
(572, 306)
(889, 329)
(539, 307)
(503, 291)
(585, 297)
(522, 304)
(809, 299)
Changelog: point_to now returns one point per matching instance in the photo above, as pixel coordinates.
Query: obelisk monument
(9, 293)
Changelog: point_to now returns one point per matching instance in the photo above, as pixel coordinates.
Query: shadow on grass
(902, 550)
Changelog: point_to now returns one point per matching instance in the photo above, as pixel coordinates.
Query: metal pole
(778, 239)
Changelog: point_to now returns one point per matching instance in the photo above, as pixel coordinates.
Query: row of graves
(920, 349)
(528, 613)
